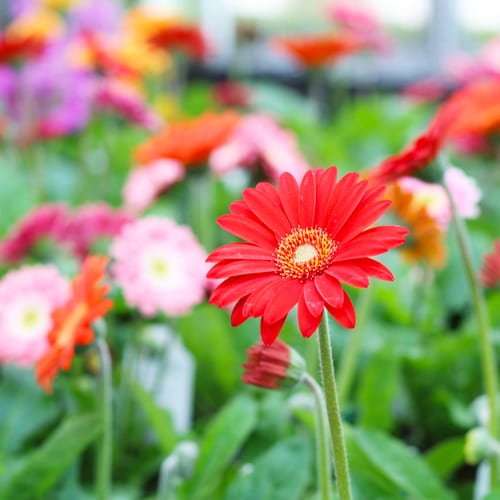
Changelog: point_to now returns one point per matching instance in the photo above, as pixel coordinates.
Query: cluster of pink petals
(360, 21)
(464, 190)
(91, 222)
(258, 139)
(46, 221)
(160, 266)
(146, 182)
(489, 274)
(425, 90)
(75, 231)
(28, 296)
(125, 100)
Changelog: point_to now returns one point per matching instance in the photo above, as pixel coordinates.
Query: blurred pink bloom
(464, 190)
(258, 139)
(361, 21)
(119, 97)
(46, 221)
(489, 274)
(466, 69)
(146, 182)
(160, 266)
(91, 222)
(425, 90)
(28, 296)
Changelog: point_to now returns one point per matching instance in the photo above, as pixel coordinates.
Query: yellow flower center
(305, 253)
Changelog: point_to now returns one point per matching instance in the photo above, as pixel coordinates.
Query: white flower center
(29, 319)
(305, 253)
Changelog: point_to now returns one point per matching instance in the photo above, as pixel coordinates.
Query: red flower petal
(239, 251)
(375, 269)
(312, 298)
(308, 322)
(257, 301)
(345, 315)
(285, 298)
(324, 183)
(227, 268)
(307, 199)
(237, 315)
(289, 196)
(247, 230)
(330, 289)
(349, 273)
(270, 331)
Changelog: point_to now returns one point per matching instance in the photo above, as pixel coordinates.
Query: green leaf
(378, 388)
(282, 473)
(159, 418)
(387, 461)
(33, 475)
(222, 440)
(446, 457)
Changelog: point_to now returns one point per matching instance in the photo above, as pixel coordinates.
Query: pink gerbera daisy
(160, 266)
(28, 297)
(302, 242)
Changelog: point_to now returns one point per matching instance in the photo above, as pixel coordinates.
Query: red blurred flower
(273, 367)
(189, 142)
(183, 37)
(72, 322)
(301, 243)
(490, 270)
(318, 50)
(230, 93)
(16, 46)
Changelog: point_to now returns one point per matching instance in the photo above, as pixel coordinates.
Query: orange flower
(72, 322)
(317, 50)
(189, 142)
(426, 239)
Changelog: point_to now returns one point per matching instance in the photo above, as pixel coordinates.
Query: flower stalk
(104, 452)
(488, 358)
(333, 411)
(322, 440)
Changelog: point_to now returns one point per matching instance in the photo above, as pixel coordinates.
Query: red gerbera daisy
(301, 243)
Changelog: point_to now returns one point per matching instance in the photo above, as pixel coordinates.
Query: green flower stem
(104, 452)
(488, 358)
(322, 438)
(353, 348)
(333, 411)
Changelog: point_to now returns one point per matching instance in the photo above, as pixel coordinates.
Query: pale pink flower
(45, 221)
(91, 222)
(259, 140)
(119, 97)
(146, 182)
(28, 296)
(463, 189)
(160, 266)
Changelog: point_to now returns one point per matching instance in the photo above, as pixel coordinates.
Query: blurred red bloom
(318, 50)
(273, 367)
(189, 142)
(301, 243)
(490, 270)
(228, 93)
(16, 46)
(183, 37)
(72, 322)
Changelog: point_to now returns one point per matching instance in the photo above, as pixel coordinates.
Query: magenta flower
(160, 266)
(123, 99)
(259, 140)
(46, 221)
(146, 182)
(91, 222)
(28, 296)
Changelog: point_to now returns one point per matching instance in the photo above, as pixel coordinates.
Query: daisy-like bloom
(73, 321)
(189, 142)
(145, 183)
(317, 50)
(302, 242)
(91, 222)
(46, 221)
(490, 270)
(28, 296)
(275, 366)
(160, 266)
(259, 141)
(124, 99)
(422, 211)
